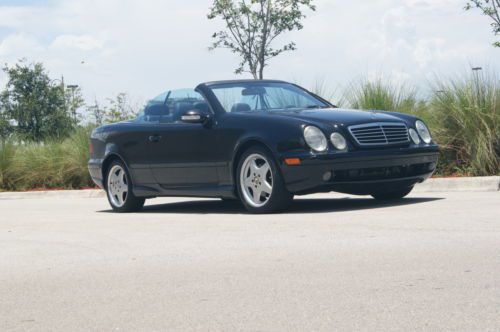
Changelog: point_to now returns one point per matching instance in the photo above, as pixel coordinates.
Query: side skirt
(207, 191)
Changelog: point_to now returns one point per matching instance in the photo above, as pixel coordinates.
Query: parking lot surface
(333, 262)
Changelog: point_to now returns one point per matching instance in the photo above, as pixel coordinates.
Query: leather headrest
(156, 110)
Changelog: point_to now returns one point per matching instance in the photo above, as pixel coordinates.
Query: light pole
(72, 88)
(476, 71)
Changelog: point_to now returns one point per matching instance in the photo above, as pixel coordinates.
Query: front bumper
(360, 172)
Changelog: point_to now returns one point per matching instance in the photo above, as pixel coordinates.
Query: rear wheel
(119, 189)
(392, 195)
(260, 185)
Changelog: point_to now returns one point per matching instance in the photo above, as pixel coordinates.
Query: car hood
(341, 117)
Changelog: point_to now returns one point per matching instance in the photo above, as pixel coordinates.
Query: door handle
(154, 138)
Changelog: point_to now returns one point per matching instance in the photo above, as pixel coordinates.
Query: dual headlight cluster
(317, 140)
(422, 133)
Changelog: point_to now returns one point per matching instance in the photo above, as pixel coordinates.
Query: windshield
(264, 96)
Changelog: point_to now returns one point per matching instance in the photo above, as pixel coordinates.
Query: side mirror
(195, 116)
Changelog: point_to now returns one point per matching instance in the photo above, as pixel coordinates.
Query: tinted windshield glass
(263, 96)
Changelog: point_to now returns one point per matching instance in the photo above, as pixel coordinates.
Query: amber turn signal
(292, 161)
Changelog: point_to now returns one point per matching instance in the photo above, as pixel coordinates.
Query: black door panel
(180, 155)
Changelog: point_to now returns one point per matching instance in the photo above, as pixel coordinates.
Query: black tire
(279, 199)
(131, 203)
(392, 195)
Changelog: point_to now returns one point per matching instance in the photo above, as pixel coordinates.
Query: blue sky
(145, 47)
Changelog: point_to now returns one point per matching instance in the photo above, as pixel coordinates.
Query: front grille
(380, 133)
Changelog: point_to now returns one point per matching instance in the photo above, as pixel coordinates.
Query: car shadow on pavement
(299, 206)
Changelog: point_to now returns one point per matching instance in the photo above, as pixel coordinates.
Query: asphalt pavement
(333, 262)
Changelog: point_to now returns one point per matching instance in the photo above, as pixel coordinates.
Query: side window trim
(187, 97)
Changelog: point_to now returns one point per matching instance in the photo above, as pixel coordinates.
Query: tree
(490, 8)
(74, 101)
(38, 106)
(252, 27)
(120, 109)
(97, 112)
(5, 127)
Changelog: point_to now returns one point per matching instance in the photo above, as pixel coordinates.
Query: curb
(478, 184)
(87, 193)
(484, 183)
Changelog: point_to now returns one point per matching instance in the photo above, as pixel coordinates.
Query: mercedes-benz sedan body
(261, 142)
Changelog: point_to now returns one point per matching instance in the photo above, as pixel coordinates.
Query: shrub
(378, 95)
(7, 153)
(465, 117)
(38, 166)
(46, 165)
(75, 172)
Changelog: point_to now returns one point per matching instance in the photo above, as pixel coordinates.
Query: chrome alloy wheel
(256, 180)
(117, 186)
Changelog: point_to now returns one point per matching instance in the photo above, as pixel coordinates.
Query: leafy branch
(252, 27)
(490, 8)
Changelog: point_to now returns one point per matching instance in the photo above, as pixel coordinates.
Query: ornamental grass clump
(465, 117)
(7, 153)
(52, 164)
(378, 95)
(75, 173)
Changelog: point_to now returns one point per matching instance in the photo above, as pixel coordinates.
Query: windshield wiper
(317, 106)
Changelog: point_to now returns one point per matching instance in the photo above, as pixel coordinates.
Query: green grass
(49, 165)
(465, 116)
(380, 95)
(7, 153)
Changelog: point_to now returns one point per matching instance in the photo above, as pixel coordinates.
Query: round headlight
(423, 131)
(338, 141)
(414, 136)
(315, 138)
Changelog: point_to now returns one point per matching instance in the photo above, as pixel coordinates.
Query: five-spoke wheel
(117, 185)
(257, 180)
(260, 186)
(119, 190)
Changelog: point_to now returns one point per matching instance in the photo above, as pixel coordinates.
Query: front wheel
(260, 185)
(392, 195)
(119, 189)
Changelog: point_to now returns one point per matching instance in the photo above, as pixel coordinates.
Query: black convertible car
(261, 142)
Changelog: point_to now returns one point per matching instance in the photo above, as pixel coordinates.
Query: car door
(179, 152)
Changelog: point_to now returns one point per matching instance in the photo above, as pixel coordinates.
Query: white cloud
(82, 42)
(20, 45)
(144, 47)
